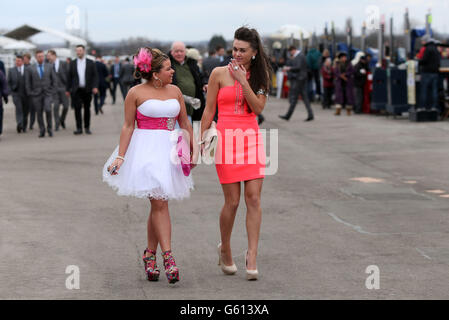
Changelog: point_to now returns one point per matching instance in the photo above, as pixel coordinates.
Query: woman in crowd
(344, 84)
(328, 82)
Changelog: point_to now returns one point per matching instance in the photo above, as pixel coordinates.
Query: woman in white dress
(146, 162)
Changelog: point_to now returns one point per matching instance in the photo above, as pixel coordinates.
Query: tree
(215, 41)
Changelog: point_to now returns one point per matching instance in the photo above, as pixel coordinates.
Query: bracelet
(121, 158)
(262, 92)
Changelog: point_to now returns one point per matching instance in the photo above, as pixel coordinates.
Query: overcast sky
(199, 19)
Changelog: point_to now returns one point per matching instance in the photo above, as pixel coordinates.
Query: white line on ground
(423, 254)
(360, 229)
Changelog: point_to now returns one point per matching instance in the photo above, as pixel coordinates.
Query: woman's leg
(253, 189)
(160, 225)
(231, 193)
(151, 234)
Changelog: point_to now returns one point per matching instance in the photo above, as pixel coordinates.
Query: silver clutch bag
(210, 140)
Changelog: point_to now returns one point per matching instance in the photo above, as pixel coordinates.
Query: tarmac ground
(357, 203)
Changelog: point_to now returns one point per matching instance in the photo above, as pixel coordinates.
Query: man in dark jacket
(115, 78)
(82, 81)
(59, 98)
(227, 58)
(31, 109)
(40, 79)
(313, 63)
(209, 64)
(2, 67)
(429, 67)
(187, 77)
(360, 75)
(16, 82)
(103, 74)
(4, 92)
(126, 77)
(296, 68)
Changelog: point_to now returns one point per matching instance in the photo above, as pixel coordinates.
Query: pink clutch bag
(183, 151)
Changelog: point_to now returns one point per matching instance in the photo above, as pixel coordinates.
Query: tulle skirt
(151, 168)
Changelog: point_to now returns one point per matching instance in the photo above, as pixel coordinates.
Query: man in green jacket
(313, 63)
(188, 78)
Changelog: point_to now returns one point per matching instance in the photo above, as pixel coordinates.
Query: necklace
(239, 106)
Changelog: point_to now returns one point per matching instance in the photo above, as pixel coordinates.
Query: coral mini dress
(240, 154)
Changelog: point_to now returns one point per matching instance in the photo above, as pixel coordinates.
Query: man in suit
(115, 78)
(209, 64)
(40, 80)
(126, 77)
(2, 67)
(82, 81)
(31, 110)
(4, 91)
(103, 74)
(220, 52)
(59, 97)
(296, 68)
(16, 82)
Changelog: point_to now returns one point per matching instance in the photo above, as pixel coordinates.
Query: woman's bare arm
(183, 119)
(256, 102)
(211, 101)
(129, 123)
(127, 129)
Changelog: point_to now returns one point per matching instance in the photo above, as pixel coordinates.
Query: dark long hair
(260, 66)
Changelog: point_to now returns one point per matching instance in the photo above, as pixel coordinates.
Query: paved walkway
(350, 192)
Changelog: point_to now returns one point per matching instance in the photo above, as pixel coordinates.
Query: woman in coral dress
(148, 162)
(240, 90)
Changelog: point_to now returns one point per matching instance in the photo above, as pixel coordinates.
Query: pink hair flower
(143, 60)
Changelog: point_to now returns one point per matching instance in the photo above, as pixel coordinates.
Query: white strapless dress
(150, 169)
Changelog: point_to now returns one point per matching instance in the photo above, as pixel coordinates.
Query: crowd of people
(342, 82)
(45, 89)
(51, 84)
(315, 76)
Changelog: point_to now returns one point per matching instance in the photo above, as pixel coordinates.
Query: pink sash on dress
(149, 123)
(166, 123)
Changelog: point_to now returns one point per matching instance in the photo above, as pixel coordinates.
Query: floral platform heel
(171, 270)
(151, 268)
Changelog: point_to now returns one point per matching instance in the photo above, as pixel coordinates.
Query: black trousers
(21, 104)
(32, 112)
(298, 87)
(327, 97)
(1, 117)
(42, 104)
(125, 88)
(99, 98)
(116, 82)
(359, 95)
(81, 101)
(316, 78)
(60, 98)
